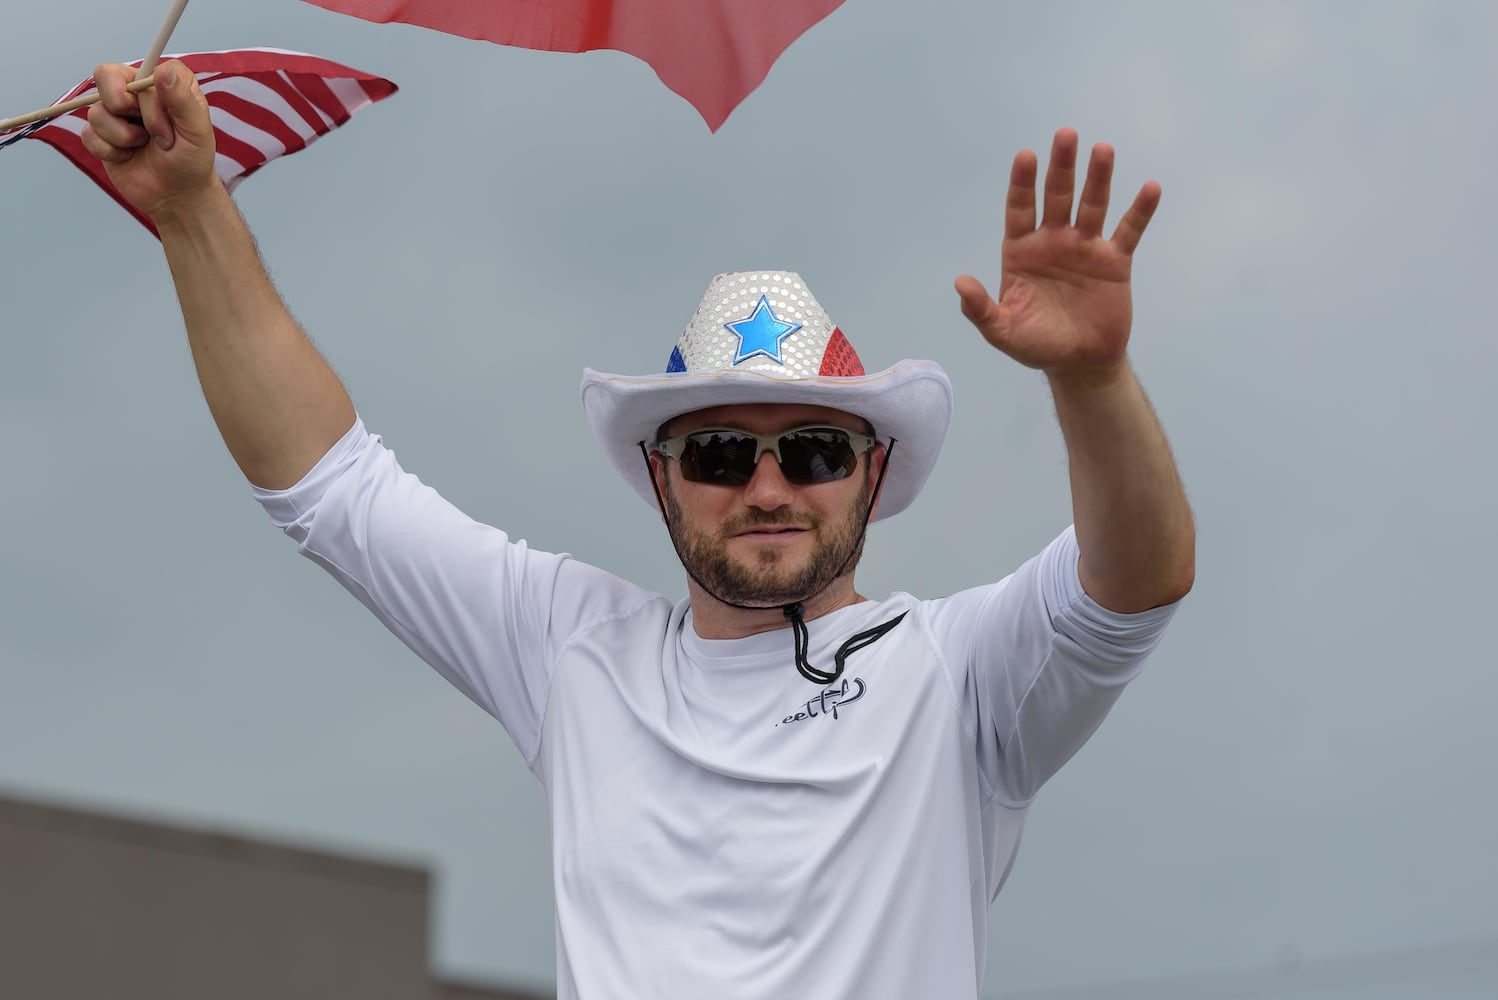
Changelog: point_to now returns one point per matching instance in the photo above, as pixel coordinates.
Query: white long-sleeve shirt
(721, 827)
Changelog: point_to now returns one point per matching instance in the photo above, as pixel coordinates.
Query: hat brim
(910, 402)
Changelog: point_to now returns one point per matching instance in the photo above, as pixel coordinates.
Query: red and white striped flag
(263, 103)
(712, 52)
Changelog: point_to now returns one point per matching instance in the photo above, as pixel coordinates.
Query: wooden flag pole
(159, 46)
(141, 82)
(134, 86)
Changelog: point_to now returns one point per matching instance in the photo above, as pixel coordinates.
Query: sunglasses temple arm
(878, 483)
(650, 475)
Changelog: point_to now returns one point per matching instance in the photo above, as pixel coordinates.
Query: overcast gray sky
(1304, 774)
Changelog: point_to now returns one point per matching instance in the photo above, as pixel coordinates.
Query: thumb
(175, 108)
(990, 318)
(976, 305)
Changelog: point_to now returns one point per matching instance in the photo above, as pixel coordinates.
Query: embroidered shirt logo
(828, 703)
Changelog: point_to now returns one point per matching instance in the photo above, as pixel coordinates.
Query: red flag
(263, 103)
(712, 52)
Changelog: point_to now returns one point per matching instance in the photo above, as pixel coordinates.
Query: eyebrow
(864, 427)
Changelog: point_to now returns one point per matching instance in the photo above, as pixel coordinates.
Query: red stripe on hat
(840, 358)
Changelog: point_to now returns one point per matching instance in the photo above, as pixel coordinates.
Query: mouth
(771, 532)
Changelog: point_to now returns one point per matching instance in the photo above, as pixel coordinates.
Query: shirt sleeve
(489, 614)
(1038, 664)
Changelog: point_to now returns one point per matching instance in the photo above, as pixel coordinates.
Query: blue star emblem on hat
(762, 333)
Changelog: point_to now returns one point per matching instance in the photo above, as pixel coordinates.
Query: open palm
(1064, 298)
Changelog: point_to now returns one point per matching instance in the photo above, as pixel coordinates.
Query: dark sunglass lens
(817, 456)
(726, 459)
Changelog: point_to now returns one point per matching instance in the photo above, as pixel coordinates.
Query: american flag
(264, 103)
(712, 52)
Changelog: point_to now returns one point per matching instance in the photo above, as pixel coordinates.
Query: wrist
(1089, 377)
(186, 210)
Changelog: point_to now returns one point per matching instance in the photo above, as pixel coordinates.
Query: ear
(655, 468)
(878, 455)
(658, 476)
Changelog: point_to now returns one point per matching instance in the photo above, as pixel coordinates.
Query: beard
(769, 581)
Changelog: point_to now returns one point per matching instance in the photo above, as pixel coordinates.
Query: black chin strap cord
(794, 611)
(853, 645)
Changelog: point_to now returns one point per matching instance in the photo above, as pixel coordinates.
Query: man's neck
(712, 619)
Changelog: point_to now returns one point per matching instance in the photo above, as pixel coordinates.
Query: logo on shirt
(828, 703)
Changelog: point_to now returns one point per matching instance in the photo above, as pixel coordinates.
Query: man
(776, 787)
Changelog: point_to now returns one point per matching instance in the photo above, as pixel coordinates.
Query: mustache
(758, 518)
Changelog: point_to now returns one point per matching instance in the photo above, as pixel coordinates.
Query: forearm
(277, 403)
(1133, 522)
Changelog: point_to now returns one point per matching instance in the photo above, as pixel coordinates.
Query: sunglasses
(728, 457)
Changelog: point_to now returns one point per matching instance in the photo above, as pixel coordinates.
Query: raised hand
(157, 145)
(1064, 302)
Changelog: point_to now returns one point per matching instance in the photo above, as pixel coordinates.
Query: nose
(767, 489)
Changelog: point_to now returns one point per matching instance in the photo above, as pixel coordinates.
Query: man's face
(768, 542)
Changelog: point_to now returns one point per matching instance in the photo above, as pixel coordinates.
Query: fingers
(1093, 208)
(1019, 210)
(1060, 187)
(115, 129)
(111, 79)
(1060, 179)
(1131, 226)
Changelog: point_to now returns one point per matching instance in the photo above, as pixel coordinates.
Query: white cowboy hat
(760, 337)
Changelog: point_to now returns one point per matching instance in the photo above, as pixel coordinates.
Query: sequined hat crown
(763, 321)
(762, 337)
